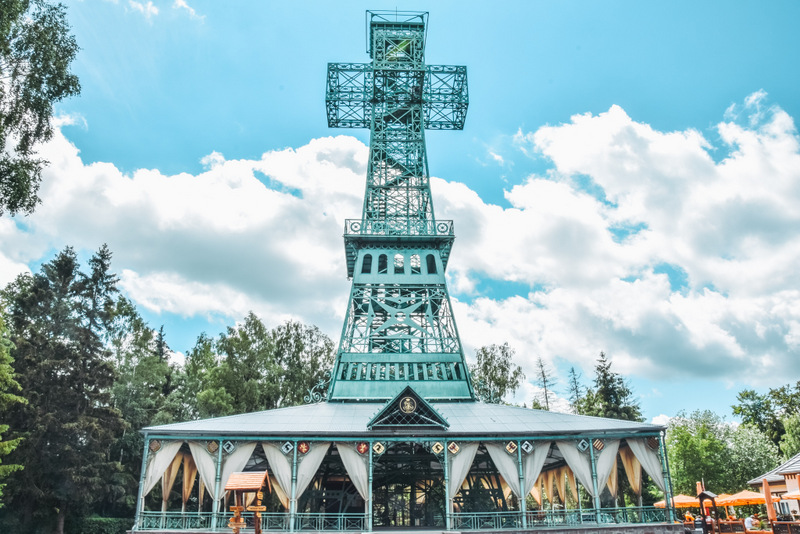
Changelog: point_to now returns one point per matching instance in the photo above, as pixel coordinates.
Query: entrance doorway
(408, 488)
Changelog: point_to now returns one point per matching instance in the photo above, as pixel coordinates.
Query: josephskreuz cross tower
(399, 326)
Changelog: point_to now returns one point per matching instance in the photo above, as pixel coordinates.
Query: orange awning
(680, 501)
(250, 481)
(742, 498)
(791, 495)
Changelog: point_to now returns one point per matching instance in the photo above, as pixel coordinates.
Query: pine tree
(7, 399)
(545, 381)
(575, 389)
(611, 396)
(56, 321)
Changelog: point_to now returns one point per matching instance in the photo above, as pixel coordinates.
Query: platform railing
(273, 522)
(555, 518)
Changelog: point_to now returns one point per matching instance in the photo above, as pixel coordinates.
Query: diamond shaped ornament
(583, 445)
(526, 447)
(287, 447)
(378, 448)
(511, 447)
(453, 447)
(437, 448)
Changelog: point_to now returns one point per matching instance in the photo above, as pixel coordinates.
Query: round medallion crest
(408, 405)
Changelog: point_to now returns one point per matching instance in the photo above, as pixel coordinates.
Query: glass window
(382, 264)
(399, 268)
(431, 260)
(366, 264)
(415, 264)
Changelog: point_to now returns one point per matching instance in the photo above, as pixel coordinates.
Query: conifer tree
(611, 396)
(8, 397)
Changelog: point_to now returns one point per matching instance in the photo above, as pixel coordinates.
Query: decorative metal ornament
(453, 447)
(583, 445)
(287, 447)
(437, 448)
(155, 445)
(408, 405)
(378, 448)
(303, 447)
(599, 444)
(527, 447)
(362, 447)
(228, 447)
(212, 447)
(652, 443)
(511, 447)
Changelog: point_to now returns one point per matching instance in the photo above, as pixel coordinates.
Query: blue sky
(626, 180)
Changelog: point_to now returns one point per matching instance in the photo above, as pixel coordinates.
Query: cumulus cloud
(148, 10)
(636, 242)
(672, 263)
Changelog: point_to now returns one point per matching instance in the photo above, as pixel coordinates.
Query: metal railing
(330, 522)
(555, 518)
(274, 522)
(401, 226)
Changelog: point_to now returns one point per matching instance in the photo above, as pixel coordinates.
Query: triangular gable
(407, 409)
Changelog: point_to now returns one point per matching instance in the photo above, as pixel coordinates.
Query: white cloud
(148, 10)
(675, 265)
(181, 4)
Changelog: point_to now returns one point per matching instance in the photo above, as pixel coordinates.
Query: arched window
(431, 264)
(366, 264)
(382, 264)
(399, 267)
(415, 264)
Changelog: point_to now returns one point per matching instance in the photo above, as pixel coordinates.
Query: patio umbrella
(680, 501)
(791, 495)
(742, 498)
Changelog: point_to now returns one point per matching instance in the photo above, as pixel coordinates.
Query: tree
(545, 381)
(494, 374)
(767, 412)
(36, 50)
(260, 369)
(574, 389)
(611, 396)
(790, 441)
(66, 376)
(697, 450)
(752, 453)
(7, 398)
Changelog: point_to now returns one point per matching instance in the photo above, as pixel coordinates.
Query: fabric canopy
(206, 466)
(459, 467)
(791, 495)
(357, 467)
(633, 469)
(742, 498)
(158, 462)
(506, 465)
(578, 462)
(680, 501)
(532, 466)
(649, 460)
(308, 464)
(281, 469)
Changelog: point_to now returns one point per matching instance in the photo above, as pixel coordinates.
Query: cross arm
(352, 88)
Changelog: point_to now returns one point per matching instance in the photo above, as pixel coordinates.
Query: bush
(100, 525)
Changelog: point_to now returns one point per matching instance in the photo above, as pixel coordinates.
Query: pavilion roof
(790, 466)
(330, 419)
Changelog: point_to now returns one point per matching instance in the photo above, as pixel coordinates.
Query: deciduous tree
(36, 50)
(494, 374)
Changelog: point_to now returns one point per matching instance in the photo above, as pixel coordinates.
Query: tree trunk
(62, 514)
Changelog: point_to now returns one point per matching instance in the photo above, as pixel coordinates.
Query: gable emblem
(408, 405)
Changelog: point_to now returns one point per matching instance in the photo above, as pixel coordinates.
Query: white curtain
(506, 464)
(459, 467)
(281, 468)
(578, 462)
(649, 460)
(357, 467)
(206, 466)
(158, 462)
(236, 460)
(308, 464)
(532, 464)
(606, 461)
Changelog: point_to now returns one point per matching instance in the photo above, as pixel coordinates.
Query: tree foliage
(703, 448)
(574, 389)
(545, 381)
(611, 395)
(36, 50)
(790, 441)
(494, 373)
(57, 321)
(8, 398)
(768, 412)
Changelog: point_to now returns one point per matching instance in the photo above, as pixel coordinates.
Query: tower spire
(399, 329)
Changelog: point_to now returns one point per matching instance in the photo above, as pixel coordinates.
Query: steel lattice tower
(399, 329)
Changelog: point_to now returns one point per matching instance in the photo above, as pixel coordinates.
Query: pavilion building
(398, 438)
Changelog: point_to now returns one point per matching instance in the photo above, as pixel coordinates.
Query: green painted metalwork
(399, 328)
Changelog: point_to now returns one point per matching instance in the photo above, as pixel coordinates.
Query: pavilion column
(667, 479)
(215, 504)
(139, 496)
(522, 494)
(369, 500)
(596, 496)
(448, 507)
(293, 496)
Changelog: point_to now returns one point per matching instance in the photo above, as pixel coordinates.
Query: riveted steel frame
(398, 329)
